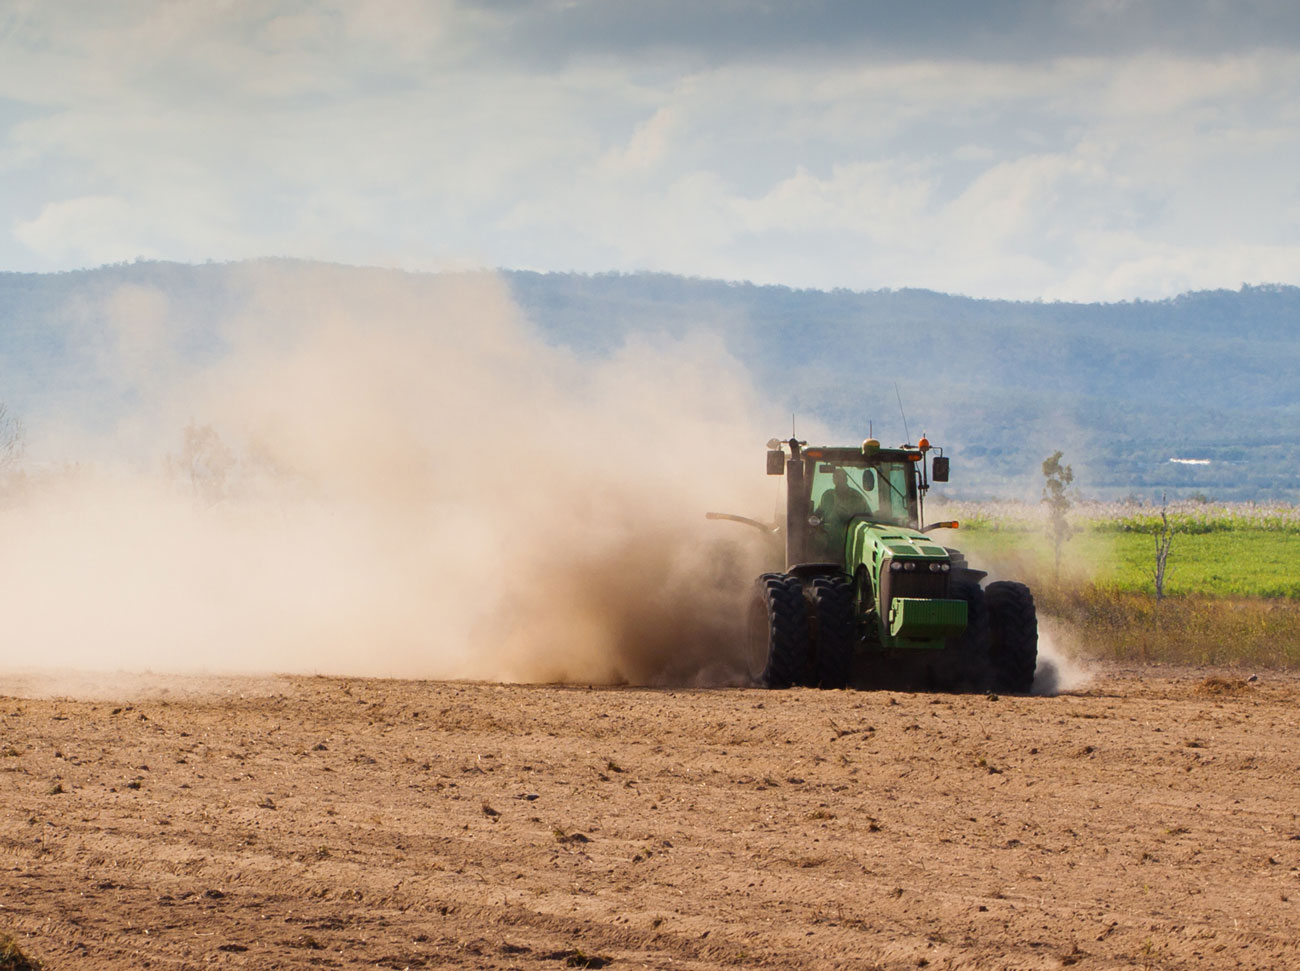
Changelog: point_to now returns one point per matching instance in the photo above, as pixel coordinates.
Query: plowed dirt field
(1148, 820)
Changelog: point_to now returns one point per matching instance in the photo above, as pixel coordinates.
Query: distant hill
(1123, 388)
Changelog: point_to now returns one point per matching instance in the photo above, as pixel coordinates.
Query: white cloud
(875, 199)
(647, 147)
(1156, 86)
(974, 153)
(404, 133)
(86, 230)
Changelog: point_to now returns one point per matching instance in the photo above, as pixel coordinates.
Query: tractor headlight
(939, 567)
(895, 565)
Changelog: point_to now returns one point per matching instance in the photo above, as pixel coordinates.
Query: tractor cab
(840, 490)
(829, 488)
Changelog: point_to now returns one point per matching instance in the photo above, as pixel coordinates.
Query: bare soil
(1148, 821)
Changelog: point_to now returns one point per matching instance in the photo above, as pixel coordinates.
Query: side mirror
(939, 469)
(775, 462)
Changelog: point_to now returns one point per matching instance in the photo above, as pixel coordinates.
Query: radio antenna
(899, 394)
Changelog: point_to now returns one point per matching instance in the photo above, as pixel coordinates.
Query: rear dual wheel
(832, 600)
(795, 640)
(778, 632)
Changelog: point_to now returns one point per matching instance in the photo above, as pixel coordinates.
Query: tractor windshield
(884, 491)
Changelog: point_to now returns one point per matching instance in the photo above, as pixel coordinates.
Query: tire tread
(1013, 636)
(832, 601)
(788, 640)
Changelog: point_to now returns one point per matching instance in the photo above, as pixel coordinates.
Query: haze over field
(374, 473)
(1211, 378)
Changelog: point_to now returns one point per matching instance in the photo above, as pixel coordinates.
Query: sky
(1027, 149)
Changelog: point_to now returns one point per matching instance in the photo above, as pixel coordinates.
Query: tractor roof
(853, 454)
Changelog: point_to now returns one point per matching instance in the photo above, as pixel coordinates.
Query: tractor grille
(929, 586)
(924, 586)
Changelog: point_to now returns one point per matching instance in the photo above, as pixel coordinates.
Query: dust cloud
(1062, 659)
(1060, 665)
(370, 473)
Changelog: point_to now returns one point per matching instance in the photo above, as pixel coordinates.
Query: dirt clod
(1215, 686)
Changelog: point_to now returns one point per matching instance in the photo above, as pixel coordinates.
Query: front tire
(1013, 636)
(778, 632)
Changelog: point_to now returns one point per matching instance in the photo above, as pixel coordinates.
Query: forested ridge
(1123, 388)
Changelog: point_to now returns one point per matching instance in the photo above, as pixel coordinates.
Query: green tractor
(867, 597)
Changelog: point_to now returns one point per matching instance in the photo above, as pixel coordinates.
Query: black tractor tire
(1013, 636)
(963, 665)
(836, 624)
(778, 632)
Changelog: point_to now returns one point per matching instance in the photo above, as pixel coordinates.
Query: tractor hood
(909, 577)
(872, 542)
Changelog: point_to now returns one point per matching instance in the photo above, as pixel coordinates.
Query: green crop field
(1230, 563)
(1240, 563)
(1216, 551)
(1232, 580)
